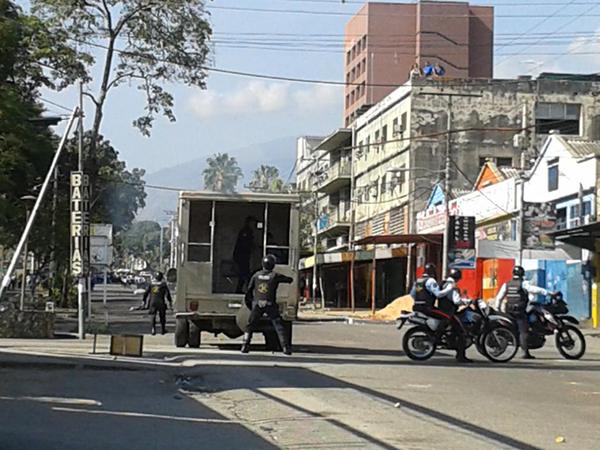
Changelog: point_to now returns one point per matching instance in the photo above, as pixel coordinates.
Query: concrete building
(383, 41)
(401, 141)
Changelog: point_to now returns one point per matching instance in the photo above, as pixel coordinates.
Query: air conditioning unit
(398, 129)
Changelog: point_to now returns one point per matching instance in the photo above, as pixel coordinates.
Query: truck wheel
(272, 341)
(182, 329)
(195, 335)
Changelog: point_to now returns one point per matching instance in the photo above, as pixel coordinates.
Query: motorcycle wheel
(500, 344)
(419, 343)
(567, 340)
(479, 345)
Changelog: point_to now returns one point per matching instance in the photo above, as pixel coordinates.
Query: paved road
(346, 386)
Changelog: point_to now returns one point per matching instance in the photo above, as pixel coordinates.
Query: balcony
(336, 177)
(335, 223)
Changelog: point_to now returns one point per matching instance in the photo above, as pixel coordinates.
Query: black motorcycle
(553, 319)
(493, 335)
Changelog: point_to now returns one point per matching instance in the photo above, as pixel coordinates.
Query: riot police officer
(426, 290)
(518, 293)
(449, 304)
(261, 299)
(154, 301)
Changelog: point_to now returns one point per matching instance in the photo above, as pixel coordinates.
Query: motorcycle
(553, 319)
(493, 335)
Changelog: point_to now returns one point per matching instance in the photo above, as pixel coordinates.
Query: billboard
(539, 220)
(80, 224)
(101, 250)
(461, 242)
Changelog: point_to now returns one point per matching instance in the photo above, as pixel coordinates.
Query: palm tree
(222, 173)
(266, 179)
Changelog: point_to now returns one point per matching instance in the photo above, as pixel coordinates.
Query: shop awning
(583, 236)
(390, 239)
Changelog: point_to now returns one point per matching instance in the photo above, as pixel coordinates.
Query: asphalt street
(346, 386)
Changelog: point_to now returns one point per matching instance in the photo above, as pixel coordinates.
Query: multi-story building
(401, 142)
(383, 41)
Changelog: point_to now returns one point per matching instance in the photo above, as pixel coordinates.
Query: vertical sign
(461, 234)
(80, 224)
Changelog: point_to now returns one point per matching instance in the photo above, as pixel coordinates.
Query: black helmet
(518, 272)
(455, 274)
(268, 262)
(430, 270)
(158, 276)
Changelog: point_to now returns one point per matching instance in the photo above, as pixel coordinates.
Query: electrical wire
(58, 105)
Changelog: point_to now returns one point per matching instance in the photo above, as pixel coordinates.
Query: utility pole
(160, 252)
(447, 162)
(24, 274)
(81, 282)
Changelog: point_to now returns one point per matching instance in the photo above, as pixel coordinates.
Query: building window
(553, 175)
(377, 139)
(368, 147)
(403, 122)
(384, 134)
(348, 57)
(347, 100)
(563, 117)
(504, 162)
(384, 184)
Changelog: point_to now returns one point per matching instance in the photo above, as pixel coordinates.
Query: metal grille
(378, 224)
(397, 221)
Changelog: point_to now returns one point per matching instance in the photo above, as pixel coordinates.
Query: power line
(58, 105)
(564, 25)
(242, 9)
(245, 74)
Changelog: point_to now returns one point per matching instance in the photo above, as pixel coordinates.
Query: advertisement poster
(539, 220)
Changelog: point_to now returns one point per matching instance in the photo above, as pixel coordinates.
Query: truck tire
(182, 330)
(195, 335)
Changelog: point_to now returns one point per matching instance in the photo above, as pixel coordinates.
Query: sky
(236, 111)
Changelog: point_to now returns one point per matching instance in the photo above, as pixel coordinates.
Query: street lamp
(26, 199)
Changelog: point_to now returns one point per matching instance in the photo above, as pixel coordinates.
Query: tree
(26, 148)
(266, 179)
(222, 173)
(145, 43)
(142, 240)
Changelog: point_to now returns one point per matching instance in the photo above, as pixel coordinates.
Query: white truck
(211, 228)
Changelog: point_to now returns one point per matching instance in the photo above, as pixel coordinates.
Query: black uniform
(242, 253)
(154, 300)
(261, 298)
(517, 299)
(424, 298)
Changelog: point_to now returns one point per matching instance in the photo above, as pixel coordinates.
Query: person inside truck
(261, 299)
(242, 253)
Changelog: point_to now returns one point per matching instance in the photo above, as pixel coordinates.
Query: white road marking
(59, 400)
(143, 415)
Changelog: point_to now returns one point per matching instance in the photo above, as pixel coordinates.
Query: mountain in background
(280, 153)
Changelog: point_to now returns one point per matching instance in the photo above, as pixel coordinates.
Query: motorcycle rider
(158, 290)
(261, 298)
(449, 305)
(518, 294)
(425, 293)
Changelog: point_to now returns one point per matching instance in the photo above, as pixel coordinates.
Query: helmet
(455, 274)
(518, 272)
(430, 270)
(268, 262)
(158, 276)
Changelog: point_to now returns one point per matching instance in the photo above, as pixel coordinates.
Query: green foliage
(143, 43)
(266, 179)
(222, 173)
(142, 240)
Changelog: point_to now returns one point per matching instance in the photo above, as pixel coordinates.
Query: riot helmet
(455, 274)
(518, 272)
(430, 270)
(268, 263)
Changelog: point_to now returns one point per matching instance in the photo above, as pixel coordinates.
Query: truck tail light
(193, 306)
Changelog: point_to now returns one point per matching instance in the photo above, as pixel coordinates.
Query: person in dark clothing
(261, 299)
(154, 301)
(449, 305)
(244, 246)
(518, 294)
